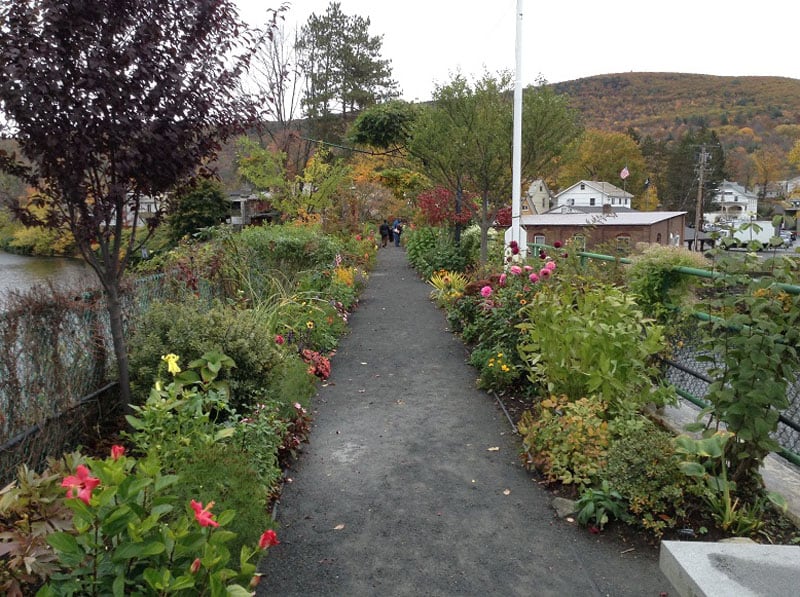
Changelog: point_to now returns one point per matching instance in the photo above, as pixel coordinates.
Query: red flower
(268, 539)
(279, 339)
(195, 567)
(203, 515)
(557, 244)
(117, 452)
(81, 484)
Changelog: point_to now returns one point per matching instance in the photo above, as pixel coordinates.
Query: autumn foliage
(438, 206)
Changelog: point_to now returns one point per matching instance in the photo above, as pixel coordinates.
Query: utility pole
(698, 213)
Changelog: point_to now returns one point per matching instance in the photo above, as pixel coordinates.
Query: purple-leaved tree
(110, 101)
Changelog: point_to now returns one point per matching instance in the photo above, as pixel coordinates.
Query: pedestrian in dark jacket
(385, 232)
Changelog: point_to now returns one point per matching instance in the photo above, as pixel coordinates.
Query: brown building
(619, 229)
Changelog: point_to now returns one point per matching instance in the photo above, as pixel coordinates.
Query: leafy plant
(581, 340)
(121, 544)
(596, 506)
(498, 370)
(706, 461)
(447, 287)
(181, 417)
(750, 348)
(567, 440)
(655, 283)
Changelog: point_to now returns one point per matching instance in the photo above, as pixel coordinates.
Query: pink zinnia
(117, 452)
(81, 484)
(204, 516)
(528, 268)
(533, 278)
(544, 273)
(486, 291)
(515, 270)
(268, 539)
(503, 279)
(551, 265)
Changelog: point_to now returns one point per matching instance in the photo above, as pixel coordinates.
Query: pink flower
(81, 484)
(268, 539)
(486, 291)
(533, 277)
(358, 237)
(502, 279)
(195, 567)
(528, 268)
(202, 515)
(279, 339)
(515, 270)
(544, 273)
(117, 452)
(551, 265)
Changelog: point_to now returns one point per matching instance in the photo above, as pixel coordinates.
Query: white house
(537, 199)
(733, 201)
(590, 193)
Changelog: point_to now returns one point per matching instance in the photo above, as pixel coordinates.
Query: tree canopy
(112, 100)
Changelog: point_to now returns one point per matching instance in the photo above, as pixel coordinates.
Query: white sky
(428, 40)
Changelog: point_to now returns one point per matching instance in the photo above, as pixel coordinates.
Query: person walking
(385, 231)
(397, 230)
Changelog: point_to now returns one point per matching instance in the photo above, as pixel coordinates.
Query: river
(20, 272)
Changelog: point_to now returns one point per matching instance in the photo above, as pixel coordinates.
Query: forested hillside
(746, 112)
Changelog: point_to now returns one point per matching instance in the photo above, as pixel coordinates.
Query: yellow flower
(505, 368)
(523, 302)
(172, 363)
(310, 325)
(500, 355)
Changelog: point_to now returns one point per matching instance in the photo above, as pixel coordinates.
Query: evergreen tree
(344, 70)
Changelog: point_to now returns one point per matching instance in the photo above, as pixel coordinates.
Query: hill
(745, 111)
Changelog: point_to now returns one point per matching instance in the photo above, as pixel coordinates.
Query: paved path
(398, 492)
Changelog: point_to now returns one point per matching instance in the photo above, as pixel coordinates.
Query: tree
(113, 100)
(679, 191)
(344, 70)
(601, 156)
(463, 141)
(200, 205)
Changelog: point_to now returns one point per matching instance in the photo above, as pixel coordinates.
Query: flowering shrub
(119, 541)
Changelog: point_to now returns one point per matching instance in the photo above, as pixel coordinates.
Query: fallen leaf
(493, 449)
(570, 519)
(506, 492)
(363, 362)
(338, 527)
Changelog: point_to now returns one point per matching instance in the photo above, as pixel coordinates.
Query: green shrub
(226, 475)
(643, 467)
(498, 369)
(432, 249)
(566, 440)
(592, 339)
(655, 283)
(190, 331)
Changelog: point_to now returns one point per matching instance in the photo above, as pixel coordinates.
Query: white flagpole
(516, 177)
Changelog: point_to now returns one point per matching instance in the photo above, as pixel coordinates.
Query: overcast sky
(428, 40)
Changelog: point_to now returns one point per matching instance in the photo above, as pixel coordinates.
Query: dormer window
(583, 187)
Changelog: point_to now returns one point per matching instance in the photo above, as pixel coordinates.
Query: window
(538, 239)
(570, 201)
(591, 200)
(583, 187)
(623, 243)
(580, 241)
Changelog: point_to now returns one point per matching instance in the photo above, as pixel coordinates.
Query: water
(19, 272)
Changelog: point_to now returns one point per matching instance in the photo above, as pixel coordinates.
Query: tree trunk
(120, 345)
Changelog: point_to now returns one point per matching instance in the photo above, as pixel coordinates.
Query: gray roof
(629, 218)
